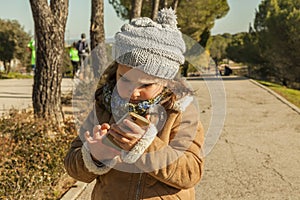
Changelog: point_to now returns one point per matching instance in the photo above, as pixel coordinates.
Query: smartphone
(139, 120)
(108, 140)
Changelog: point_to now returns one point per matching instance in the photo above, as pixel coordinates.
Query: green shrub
(292, 95)
(12, 75)
(31, 156)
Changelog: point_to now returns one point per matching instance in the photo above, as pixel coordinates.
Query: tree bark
(165, 3)
(136, 8)
(49, 22)
(97, 34)
(155, 7)
(175, 4)
(7, 66)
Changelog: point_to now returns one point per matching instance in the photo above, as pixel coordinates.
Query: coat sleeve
(78, 161)
(175, 156)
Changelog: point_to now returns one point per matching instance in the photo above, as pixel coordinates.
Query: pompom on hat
(156, 48)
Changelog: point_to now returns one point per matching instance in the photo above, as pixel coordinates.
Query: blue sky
(242, 12)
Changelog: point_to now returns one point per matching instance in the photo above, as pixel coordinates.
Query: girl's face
(135, 85)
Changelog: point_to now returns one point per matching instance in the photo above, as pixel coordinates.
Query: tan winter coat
(168, 167)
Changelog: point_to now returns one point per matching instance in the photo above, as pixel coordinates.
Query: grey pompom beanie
(154, 47)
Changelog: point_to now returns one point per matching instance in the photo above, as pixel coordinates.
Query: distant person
(74, 57)
(31, 47)
(227, 71)
(83, 51)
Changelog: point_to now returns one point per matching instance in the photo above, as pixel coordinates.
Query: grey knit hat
(154, 47)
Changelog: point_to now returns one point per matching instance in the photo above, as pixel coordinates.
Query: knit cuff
(136, 152)
(92, 167)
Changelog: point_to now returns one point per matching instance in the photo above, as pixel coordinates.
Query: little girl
(162, 160)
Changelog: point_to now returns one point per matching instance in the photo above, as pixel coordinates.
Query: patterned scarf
(119, 106)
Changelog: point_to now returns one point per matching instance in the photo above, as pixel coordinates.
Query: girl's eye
(147, 85)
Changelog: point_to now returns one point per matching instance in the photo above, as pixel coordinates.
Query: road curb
(282, 99)
(74, 191)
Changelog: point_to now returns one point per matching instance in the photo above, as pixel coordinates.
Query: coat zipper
(137, 195)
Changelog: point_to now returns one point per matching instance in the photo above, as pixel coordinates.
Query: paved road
(257, 154)
(17, 93)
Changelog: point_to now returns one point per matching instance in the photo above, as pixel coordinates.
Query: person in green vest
(74, 59)
(31, 46)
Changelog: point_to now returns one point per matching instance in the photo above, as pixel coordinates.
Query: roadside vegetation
(291, 95)
(31, 156)
(13, 46)
(16, 75)
(269, 56)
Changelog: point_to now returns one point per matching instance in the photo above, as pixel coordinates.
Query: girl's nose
(136, 93)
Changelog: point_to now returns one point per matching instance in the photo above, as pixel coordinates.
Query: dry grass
(31, 156)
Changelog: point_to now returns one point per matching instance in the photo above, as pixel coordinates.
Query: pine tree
(49, 22)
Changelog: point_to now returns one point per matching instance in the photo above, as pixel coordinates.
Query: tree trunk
(99, 57)
(50, 22)
(155, 7)
(7, 66)
(136, 8)
(165, 3)
(185, 68)
(175, 4)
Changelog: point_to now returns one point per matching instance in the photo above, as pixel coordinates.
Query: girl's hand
(100, 151)
(129, 136)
